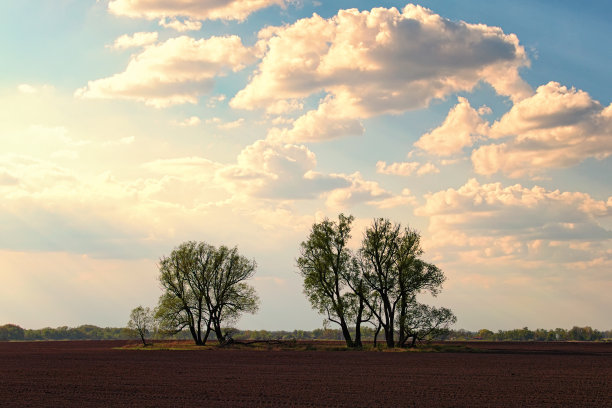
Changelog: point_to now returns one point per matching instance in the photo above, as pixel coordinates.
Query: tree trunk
(194, 334)
(208, 328)
(389, 338)
(358, 343)
(218, 332)
(377, 332)
(199, 322)
(346, 333)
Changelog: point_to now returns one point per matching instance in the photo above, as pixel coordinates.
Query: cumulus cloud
(180, 26)
(195, 9)
(31, 89)
(381, 61)
(185, 166)
(277, 170)
(27, 89)
(190, 121)
(557, 127)
(359, 191)
(461, 128)
(28, 175)
(406, 198)
(50, 207)
(140, 39)
(484, 221)
(329, 121)
(173, 72)
(406, 168)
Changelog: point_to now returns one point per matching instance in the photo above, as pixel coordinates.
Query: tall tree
(325, 263)
(377, 261)
(390, 266)
(203, 287)
(141, 322)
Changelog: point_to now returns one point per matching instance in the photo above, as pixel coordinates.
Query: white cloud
(277, 170)
(180, 26)
(427, 168)
(176, 71)
(195, 9)
(189, 167)
(406, 168)
(382, 61)
(140, 39)
(461, 128)
(557, 127)
(219, 123)
(27, 89)
(404, 199)
(190, 121)
(231, 125)
(490, 221)
(359, 191)
(214, 100)
(331, 120)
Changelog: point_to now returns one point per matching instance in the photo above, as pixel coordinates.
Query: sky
(130, 126)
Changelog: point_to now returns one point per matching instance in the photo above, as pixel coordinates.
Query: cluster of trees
(204, 288)
(376, 284)
(89, 332)
(85, 332)
(574, 334)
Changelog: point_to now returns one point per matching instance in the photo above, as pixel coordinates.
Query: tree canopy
(141, 323)
(204, 287)
(377, 283)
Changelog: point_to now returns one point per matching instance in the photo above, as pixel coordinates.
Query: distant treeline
(91, 332)
(574, 334)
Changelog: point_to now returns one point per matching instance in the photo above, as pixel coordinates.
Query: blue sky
(127, 128)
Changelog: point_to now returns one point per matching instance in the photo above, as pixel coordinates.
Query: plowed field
(94, 373)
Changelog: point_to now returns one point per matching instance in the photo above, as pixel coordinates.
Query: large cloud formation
(173, 72)
(461, 128)
(194, 9)
(381, 61)
(557, 127)
(267, 169)
(487, 221)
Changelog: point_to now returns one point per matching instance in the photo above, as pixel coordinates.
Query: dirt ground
(95, 373)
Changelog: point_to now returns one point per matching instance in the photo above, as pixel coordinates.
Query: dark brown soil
(94, 373)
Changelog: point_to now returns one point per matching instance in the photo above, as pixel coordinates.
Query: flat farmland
(96, 373)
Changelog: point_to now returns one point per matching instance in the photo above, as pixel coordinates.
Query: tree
(424, 322)
(141, 322)
(11, 332)
(204, 287)
(391, 268)
(325, 263)
(381, 281)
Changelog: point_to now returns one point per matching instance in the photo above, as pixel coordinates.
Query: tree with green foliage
(204, 287)
(381, 281)
(11, 332)
(325, 263)
(423, 322)
(141, 323)
(393, 275)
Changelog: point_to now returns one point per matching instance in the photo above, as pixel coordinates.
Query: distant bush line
(91, 332)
